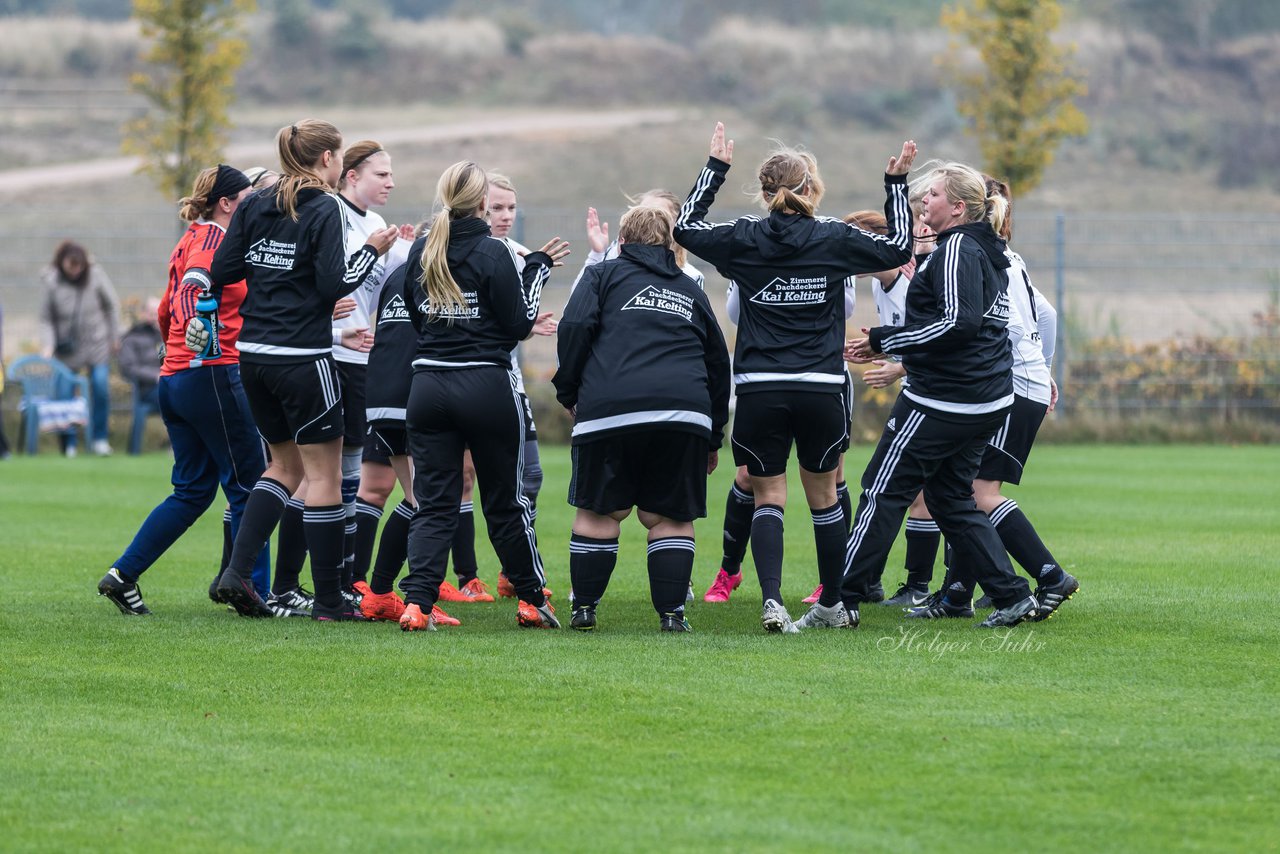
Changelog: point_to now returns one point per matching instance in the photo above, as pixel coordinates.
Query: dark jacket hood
(305, 195)
(783, 235)
(655, 259)
(462, 235)
(986, 237)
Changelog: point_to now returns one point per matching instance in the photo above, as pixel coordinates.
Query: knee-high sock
(830, 537)
(591, 563)
(923, 538)
(262, 512)
(367, 518)
(739, 506)
(670, 568)
(291, 548)
(228, 541)
(350, 487)
(464, 544)
(846, 504)
(324, 528)
(766, 549)
(1023, 543)
(393, 548)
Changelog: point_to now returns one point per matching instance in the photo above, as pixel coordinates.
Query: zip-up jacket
(791, 271)
(955, 342)
(395, 343)
(501, 304)
(295, 272)
(1033, 325)
(639, 348)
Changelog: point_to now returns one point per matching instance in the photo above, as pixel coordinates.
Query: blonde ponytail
(461, 191)
(198, 205)
(301, 145)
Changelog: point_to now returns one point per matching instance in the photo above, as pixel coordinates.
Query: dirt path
(111, 169)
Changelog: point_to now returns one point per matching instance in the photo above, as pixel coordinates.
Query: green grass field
(1143, 717)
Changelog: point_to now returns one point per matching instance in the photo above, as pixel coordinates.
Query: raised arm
(709, 241)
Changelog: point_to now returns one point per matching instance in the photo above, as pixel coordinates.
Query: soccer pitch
(1142, 717)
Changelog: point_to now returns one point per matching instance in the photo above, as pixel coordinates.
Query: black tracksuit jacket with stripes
(294, 271)
(502, 304)
(640, 349)
(955, 342)
(791, 270)
(395, 343)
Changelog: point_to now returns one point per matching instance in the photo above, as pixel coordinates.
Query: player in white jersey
(1032, 332)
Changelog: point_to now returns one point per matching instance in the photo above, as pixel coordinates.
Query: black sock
(591, 563)
(670, 568)
(830, 536)
(228, 542)
(464, 544)
(291, 548)
(766, 550)
(739, 505)
(367, 518)
(1023, 543)
(923, 538)
(846, 504)
(393, 549)
(261, 513)
(348, 566)
(325, 532)
(958, 585)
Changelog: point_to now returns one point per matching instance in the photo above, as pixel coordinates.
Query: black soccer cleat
(240, 594)
(584, 618)
(1023, 609)
(1050, 597)
(984, 602)
(936, 607)
(908, 596)
(214, 595)
(875, 593)
(124, 594)
(674, 622)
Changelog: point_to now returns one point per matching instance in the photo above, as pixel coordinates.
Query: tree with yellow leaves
(1022, 101)
(195, 51)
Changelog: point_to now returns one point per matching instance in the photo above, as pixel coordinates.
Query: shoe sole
(244, 603)
(124, 607)
(590, 628)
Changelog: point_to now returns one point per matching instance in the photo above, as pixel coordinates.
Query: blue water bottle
(207, 314)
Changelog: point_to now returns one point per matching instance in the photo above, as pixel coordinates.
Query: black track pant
(448, 411)
(939, 451)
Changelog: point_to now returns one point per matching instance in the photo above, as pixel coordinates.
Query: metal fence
(1158, 314)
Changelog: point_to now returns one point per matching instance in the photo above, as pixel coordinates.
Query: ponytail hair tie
(293, 131)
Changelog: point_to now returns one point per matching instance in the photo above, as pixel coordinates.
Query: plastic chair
(48, 390)
(144, 404)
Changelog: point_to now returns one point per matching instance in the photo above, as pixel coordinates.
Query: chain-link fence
(1162, 317)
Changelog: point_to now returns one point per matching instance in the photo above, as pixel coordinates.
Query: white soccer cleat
(775, 618)
(820, 617)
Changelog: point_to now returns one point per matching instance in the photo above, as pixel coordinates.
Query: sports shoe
(100, 448)
(508, 591)
(240, 594)
(908, 597)
(352, 598)
(382, 606)
(875, 593)
(984, 601)
(214, 595)
(775, 618)
(532, 617)
(1049, 598)
(936, 607)
(413, 620)
(821, 617)
(440, 618)
(814, 596)
(297, 599)
(722, 587)
(1023, 609)
(474, 590)
(674, 622)
(124, 594)
(584, 619)
(280, 607)
(362, 587)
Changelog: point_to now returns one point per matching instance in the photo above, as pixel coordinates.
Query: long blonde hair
(301, 146)
(198, 205)
(461, 192)
(784, 177)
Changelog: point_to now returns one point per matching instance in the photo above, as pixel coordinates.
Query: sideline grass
(1141, 718)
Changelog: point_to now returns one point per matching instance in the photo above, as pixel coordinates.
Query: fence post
(1060, 297)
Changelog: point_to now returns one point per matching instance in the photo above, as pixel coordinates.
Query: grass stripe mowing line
(1141, 718)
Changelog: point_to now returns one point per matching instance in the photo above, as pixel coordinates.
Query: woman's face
(936, 211)
(370, 185)
(73, 267)
(502, 211)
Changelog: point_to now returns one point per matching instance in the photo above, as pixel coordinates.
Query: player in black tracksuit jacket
(788, 369)
(286, 242)
(470, 308)
(645, 370)
(955, 346)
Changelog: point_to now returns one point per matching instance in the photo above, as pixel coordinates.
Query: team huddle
(362, 354)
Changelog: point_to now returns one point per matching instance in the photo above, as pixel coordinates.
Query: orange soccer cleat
(440, 618)
(413, 620)
(382, 606)
(532, 617)
(508, 591)
(474, 590)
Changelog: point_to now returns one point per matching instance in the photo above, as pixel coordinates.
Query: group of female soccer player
(363, 354)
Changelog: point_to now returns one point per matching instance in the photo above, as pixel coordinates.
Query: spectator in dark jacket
(139, 362)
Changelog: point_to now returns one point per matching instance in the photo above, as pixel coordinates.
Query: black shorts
(1008, 449)
(767, 422)
(530, 429)
(658, 471)
(353, 378)
(384, 442)
(299, 402)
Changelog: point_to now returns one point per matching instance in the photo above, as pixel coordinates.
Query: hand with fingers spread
(358, 339)
(545, 324)
(597, 232)
(721, 149)
(557, 249)
(344, 307)
(901, 164)
(886, 373)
